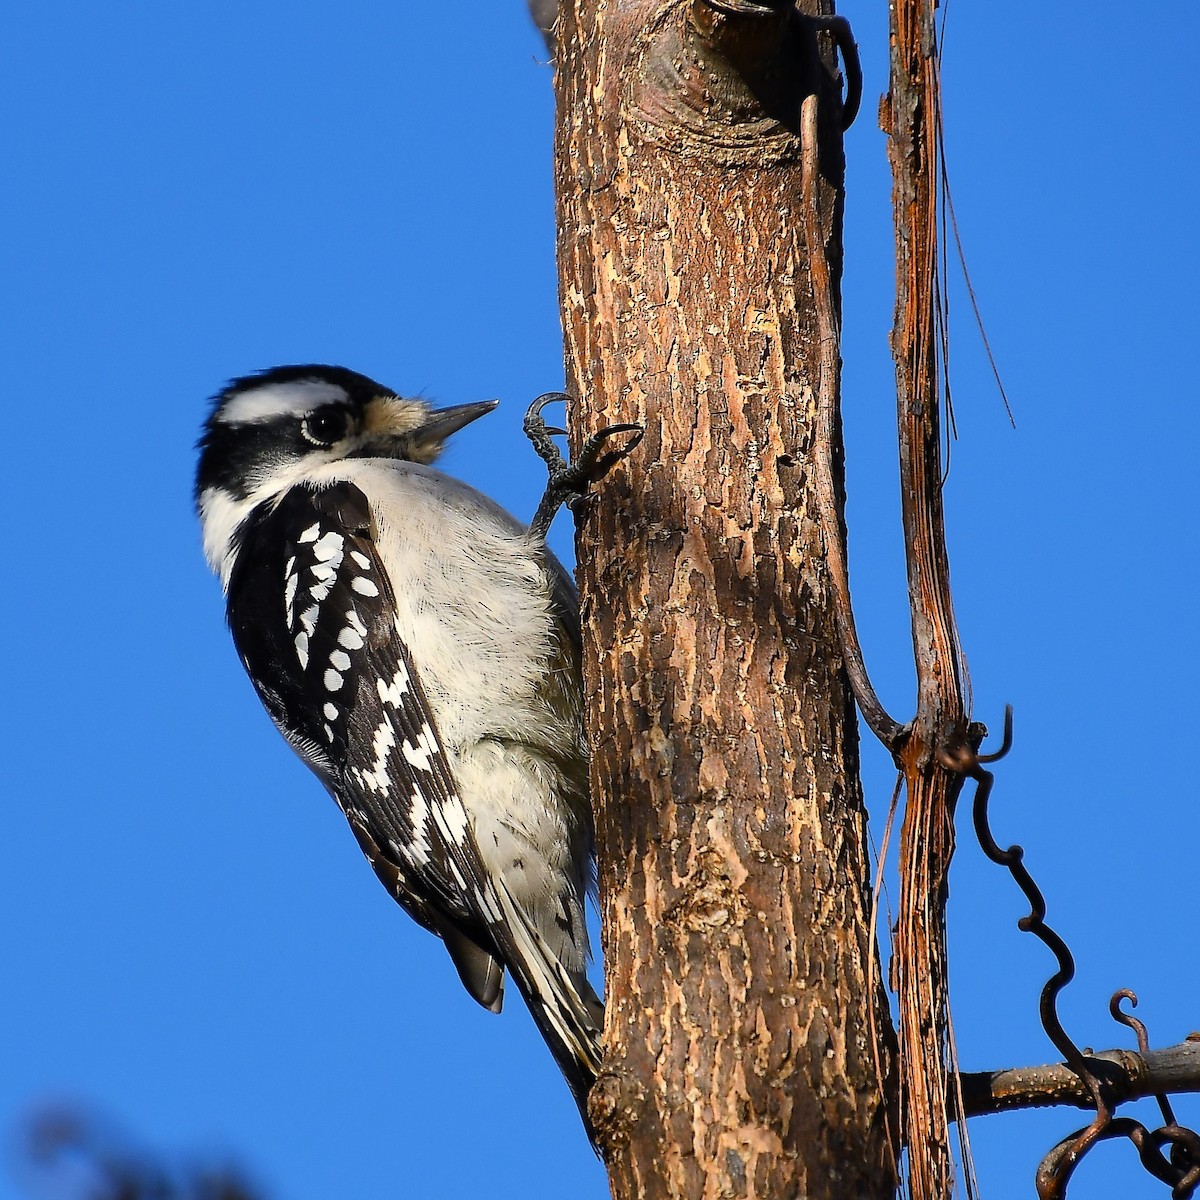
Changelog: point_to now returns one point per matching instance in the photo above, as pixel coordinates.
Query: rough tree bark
(733, 871)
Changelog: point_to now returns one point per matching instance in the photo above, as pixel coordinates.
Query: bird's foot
(569, 482)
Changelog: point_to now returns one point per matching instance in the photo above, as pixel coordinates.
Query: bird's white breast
(472, 599)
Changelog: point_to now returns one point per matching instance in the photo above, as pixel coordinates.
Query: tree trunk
(747, 1035)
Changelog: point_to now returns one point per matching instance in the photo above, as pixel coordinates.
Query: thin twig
(948, 204)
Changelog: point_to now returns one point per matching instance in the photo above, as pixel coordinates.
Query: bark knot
(614, 1105)
(708, 901)
(715, 85)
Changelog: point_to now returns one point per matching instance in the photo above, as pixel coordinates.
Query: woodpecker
(418, 647)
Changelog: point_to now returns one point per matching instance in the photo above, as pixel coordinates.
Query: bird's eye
(326, 425)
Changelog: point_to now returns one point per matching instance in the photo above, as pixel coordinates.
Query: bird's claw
(569, 482)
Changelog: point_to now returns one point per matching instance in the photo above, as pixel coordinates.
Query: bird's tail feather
(563, 1008)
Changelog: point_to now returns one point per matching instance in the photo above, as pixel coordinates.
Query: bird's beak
(442, 422)
(407, 429)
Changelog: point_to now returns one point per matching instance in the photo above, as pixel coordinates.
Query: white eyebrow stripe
(273, 400)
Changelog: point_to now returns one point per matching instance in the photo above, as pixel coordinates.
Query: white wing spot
(454, 818)
(310, 534)
(333, 681)
(365, 587)
(419, 846)
(360, 558)
(328, 733)
(355, 622)
(392, 693)
(308, 618)
(331, 711)
(381, 743)
(340, 660)
(302, 650)
(289, 595)
(351, 639)
(421, 754)
(330, 546)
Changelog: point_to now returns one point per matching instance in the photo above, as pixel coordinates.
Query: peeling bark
(940, 743)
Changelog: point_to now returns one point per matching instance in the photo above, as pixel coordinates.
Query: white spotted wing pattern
(312, 614)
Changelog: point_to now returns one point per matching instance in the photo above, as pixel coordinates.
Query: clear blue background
(192, 941)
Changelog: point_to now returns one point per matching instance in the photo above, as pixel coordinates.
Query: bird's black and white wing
(311, 611)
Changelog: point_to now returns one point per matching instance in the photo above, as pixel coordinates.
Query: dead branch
(1124, 1075)
(940, 741)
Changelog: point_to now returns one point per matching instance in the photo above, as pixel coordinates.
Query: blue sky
(193, 943)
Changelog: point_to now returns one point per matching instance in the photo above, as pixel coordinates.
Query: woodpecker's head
(268, 431)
